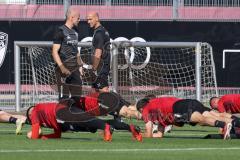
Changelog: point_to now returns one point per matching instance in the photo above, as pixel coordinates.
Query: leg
(119, 125)
(226, 117)
(197, 117)
(75, 119)
(75, 84)
(62, 87)
(217, 116)
(6, 117)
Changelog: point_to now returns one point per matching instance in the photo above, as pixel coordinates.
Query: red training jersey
(90, 104)
(229, 103)
(160, 110)
(44, 114)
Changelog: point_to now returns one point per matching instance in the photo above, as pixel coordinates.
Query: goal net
(136, 71)
(166, 69)
(38, 80)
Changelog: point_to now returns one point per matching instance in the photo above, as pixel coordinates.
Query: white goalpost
(182, 69)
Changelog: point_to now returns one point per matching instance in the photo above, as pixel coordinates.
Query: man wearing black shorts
(174, 111)
(67, 57)
(101, 49)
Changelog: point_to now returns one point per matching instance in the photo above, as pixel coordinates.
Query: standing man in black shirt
(101, 51)
(67, 57)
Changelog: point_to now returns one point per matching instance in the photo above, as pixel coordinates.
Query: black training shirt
(101, 40)
(68, 39)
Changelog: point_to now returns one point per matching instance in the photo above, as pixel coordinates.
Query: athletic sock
(12, 120)
(219, 124)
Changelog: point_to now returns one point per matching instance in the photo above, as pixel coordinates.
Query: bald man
(66, 55)
(101, 51)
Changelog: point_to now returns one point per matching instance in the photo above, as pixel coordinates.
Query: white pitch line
(115, 150)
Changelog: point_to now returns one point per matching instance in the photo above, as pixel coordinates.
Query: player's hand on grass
(44, 138)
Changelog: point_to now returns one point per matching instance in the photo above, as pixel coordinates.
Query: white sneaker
(227, 129)
(168, 128)
(19, 125)
(154, 128)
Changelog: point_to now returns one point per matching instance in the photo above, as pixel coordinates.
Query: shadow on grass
(79, 138)
(189, 130)
(183, 137)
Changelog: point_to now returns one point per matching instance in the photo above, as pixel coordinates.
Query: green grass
(181, 143)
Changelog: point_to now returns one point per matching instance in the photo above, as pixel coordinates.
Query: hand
(29, 134)
(44, 138)
(64, 70)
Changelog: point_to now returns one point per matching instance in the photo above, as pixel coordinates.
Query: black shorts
(183, 109)
(100, 82)
(122, 102)
(74, 78)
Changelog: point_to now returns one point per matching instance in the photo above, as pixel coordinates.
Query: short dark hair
(141, 103)
(28, 121)
(211, 101)
(150, 96)
(144, 101)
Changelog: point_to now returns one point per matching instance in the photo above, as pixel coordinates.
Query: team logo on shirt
(3, 46)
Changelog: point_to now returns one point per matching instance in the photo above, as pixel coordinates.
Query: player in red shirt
(171, 110)
(91, 105)
(44, 114)
(229, 103)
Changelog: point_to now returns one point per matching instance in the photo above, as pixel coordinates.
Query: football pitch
(181, 143)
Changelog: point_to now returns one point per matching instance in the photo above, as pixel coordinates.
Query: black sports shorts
(186, 107)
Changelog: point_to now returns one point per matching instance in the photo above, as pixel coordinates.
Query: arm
(148, 130)
(159, 134)
(96, 58)
(80, 63)
(57, 41)
(34, 133)
(99, 45)
(79, 59)
(58, 60)
(56, 57)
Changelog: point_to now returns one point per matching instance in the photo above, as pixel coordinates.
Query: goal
(182, 69)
